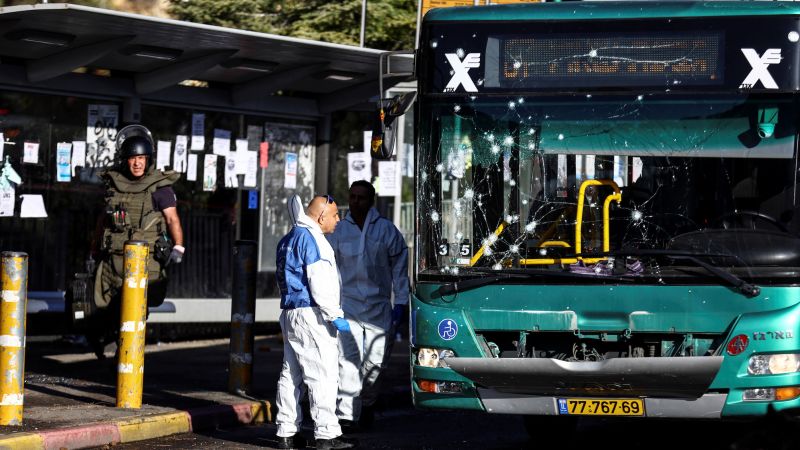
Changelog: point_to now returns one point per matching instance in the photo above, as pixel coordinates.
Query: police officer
(139, 205)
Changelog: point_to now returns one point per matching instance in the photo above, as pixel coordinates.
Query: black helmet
(135, 146)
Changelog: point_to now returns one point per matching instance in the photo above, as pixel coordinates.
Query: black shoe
(335, 443)
(296, 441)
(349, 426)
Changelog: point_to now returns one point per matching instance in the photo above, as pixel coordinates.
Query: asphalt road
(406, 428)
(399, 426)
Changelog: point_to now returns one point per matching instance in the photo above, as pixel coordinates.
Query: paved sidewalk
(70, 396)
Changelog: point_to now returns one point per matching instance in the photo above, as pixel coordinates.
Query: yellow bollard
(130, 365)
(14, 283)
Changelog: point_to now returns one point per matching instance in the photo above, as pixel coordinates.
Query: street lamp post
(363, 22)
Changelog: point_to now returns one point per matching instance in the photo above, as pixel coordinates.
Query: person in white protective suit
(311, 315)
(373, 263)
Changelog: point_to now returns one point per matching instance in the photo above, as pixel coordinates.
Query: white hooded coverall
(373, 263)
(309, 284)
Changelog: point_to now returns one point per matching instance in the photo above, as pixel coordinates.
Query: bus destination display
(611, 60)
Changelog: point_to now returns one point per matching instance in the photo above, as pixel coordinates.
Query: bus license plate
(600, 407)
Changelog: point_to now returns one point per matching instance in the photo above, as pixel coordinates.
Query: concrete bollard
(243, 311)
(130, 365)
(14, 283)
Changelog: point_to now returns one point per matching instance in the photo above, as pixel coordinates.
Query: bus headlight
(773, 364)
(432, 357)
(771, 394)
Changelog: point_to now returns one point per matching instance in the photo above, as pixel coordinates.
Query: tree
(390, 23)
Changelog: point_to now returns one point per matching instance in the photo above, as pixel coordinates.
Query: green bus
(607, 210)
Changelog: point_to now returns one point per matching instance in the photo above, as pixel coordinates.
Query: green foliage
(390, 23)
(252, 15)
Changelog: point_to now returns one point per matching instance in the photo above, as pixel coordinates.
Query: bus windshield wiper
(505, 274)
(472, 283)
(749, 290)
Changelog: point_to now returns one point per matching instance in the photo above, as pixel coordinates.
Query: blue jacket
(306, 268)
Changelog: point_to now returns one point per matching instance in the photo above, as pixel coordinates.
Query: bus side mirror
(767, 119)
(384, 136)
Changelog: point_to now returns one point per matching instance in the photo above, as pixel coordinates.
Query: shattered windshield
(562, 182)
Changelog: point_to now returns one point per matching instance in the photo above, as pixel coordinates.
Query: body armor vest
(129, 216)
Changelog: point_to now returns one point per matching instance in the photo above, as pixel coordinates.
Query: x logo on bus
(760, 65)
(460, 71)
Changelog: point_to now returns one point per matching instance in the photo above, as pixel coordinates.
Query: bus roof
(599, 10)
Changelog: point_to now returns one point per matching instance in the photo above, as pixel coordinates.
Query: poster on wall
(101, 135)
(198, 132)
(210, 173)
(389, 178)
(78, 155)
(179, 159)
(163, 154)
(290, 171)
(222, 142)
(251, 167)
(191, 170)
(358, 167)
(241, 156)
(7, 200)
(30, 153)
(231, 179)
(32, 206)
(63, 162)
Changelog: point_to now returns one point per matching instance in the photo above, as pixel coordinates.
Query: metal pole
(130, 369)
(419, 22)
(14, 283)
(243, 312)
(363, 22)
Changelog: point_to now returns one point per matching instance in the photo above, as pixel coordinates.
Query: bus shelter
(70, 76)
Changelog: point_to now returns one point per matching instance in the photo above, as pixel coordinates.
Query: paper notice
(31, 153)
(163, 154)
(210, 173)
(231, 179)
(63, 162)
(390, 179)
(191, 170)
(198, 132)
(250, 176)
(179, 159)
(78, 155)
(222, 142)
(32, 206)
(359, 167)
(241, 156)
(7, 200)
(290, 171)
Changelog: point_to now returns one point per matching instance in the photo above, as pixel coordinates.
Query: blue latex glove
(399, 313)
(341, 324)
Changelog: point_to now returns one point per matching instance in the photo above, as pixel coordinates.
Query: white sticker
(8, 340)
(10, 296)
(12, 399)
